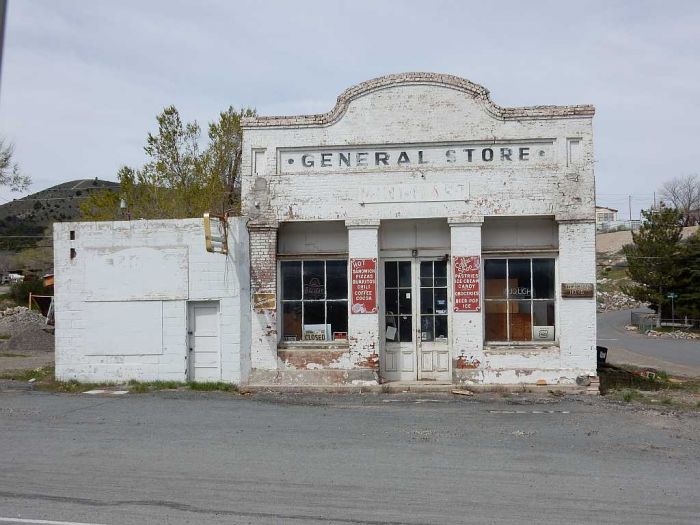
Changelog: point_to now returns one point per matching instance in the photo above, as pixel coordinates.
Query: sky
(82, 80)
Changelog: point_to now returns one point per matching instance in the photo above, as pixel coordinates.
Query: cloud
(83, 81)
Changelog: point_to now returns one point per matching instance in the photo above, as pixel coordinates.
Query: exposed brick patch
(310, 359)
(263, 260)
(466, 362)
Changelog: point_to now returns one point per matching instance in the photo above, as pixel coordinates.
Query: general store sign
(466, 271)
(363, 286)
(333, 159)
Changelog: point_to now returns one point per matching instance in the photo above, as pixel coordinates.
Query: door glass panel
(426, 273)
(405, 328)
(391, 301)
(405, 306)
(440, 300)
(391, 276)
(391, 320)
(440, 273)
(405, 273)
(426, 300)
(440, 326)
(426, 328)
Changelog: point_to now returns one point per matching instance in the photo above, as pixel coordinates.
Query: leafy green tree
(10, 174)
(180, 178)
(688, 285)
(652, 259)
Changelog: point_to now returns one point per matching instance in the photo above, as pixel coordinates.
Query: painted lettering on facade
(408, 157)
(364, 286)
(467, 297)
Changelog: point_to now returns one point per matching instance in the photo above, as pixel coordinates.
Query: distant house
(694, 217)
(603, 214)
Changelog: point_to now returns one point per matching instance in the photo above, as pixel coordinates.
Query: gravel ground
(185, 458)
(27, 341)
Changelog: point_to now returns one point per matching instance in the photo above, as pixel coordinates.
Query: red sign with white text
(364, 286)
(467, 297)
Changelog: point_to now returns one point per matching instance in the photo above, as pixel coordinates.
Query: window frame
(280, 301)
(555, 298)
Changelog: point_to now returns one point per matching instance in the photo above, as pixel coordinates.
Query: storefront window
(314, 300)
(519, 299)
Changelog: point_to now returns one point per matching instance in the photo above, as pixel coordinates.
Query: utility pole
(629, 205)
(3, 12)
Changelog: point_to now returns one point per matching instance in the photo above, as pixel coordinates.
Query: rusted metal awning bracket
(216, 242)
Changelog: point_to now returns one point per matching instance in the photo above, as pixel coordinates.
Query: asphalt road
(678, 355)
(379, 459)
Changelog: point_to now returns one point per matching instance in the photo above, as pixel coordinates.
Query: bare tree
(9, 170)
(683, 193)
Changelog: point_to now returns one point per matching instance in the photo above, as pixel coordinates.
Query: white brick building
(133, 297)
(415, 232)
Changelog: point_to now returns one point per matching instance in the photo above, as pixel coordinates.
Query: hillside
(612, 243)
(32, 214)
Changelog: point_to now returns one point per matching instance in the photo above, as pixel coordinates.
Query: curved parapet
(475, 91)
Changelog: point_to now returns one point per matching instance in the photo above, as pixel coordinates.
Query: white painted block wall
(121, 302)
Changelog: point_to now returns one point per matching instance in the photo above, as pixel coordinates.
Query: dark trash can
(602, 354)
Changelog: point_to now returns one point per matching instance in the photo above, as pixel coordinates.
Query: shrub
(20, 291)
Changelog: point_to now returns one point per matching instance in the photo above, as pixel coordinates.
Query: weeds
(139, 387)
(631, 384)
(38, 374)
(43, 379)
(208, 387)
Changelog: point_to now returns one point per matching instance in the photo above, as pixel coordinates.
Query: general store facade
(420, 232)
(416, 232)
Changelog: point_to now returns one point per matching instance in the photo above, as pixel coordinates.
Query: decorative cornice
(476, 91)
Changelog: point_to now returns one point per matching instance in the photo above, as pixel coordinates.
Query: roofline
(605, 208)
(476, 91)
